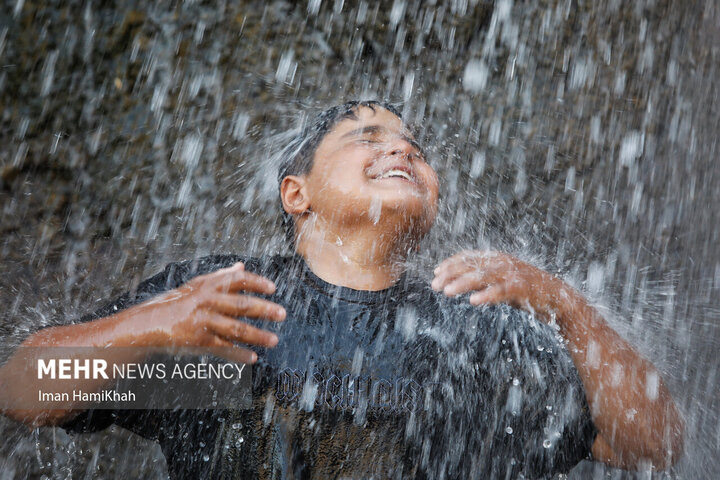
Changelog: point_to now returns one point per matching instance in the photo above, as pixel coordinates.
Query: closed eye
(367, 141)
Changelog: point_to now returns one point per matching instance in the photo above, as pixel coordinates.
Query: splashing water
(580, 137)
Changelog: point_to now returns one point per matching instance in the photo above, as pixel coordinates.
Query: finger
(226, 349)
(208, 342)
(489, 265)
(472, 257)
(229, 351)
(457, 258)
(451, 272)
(240, 280)
(237, 331)
(210, 278)
(490, 296)
(244, 306)
(466, 283)
(239, 266)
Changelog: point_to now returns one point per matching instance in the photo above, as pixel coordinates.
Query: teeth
(396, 173)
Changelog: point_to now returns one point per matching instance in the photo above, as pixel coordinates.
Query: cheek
(338, 180)
(433, 185)
(433, 201)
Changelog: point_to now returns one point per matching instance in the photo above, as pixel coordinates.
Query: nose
(402, 147)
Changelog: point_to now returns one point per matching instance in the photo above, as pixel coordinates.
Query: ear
(294, 195)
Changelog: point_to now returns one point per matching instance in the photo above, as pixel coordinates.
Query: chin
(415, 219)
(404, 200)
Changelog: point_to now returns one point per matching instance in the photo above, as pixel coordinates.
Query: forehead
(365, 117)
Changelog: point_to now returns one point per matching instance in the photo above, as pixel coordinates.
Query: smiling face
(370, 170)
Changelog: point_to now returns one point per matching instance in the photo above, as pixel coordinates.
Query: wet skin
(367, 201)
(373, 160)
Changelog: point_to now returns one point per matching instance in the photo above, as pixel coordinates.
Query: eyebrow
(375, 129)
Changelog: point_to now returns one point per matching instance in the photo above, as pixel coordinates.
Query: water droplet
(375, 209)
(314, 6)
(206, 457)
(516, 381)
(540, 348)
(547, 443)
(631, 148)
(236, 426)
(509, 430)
(475, 76)
(286, 68)
(548, 407)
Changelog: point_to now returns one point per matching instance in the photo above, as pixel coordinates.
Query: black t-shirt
(398, 383)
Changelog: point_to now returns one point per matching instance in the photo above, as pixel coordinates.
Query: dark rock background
(579, 135)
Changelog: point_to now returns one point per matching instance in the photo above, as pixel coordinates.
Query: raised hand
(495, 277)
(204, 311)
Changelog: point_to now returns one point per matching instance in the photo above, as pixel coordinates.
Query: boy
(373, 373)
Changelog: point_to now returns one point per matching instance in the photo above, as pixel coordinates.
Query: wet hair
(297, 157)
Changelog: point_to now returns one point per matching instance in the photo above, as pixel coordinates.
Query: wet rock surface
(576, 135)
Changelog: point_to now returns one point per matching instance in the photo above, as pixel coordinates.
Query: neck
(361, 258)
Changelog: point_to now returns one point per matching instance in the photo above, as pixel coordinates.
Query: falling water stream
(578, 135)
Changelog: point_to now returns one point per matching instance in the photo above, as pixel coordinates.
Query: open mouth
(395, 173)
(400, 172)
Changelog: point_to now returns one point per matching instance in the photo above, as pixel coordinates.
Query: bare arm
(200, 314)
(630, 404)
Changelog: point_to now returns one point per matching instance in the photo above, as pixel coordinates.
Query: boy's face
(372, 167)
